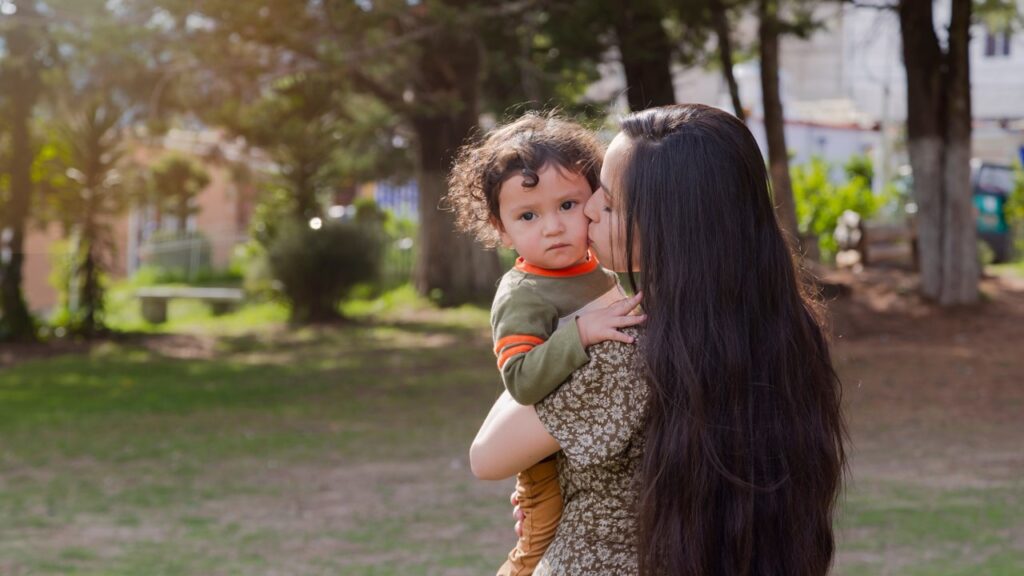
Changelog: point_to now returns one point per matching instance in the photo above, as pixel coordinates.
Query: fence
(398, 259)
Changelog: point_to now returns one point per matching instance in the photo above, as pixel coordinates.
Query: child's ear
(506, 240)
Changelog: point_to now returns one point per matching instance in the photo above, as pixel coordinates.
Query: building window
(997, 43)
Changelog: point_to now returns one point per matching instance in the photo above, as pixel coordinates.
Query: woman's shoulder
(597, 412)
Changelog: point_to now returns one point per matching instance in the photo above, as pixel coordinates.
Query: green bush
(820, 202)
(249, 262)
(155, 276)
(1015, 208)
(317, 268)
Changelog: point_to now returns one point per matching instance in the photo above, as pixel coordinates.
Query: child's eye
(527, 216)
(568, 204)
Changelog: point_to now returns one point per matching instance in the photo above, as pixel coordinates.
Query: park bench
(876, 242)
(154, 299)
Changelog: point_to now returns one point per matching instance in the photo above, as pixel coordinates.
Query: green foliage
(154, 276)
(317, 268)
(270, 214)
(71, 316)
(860, 166)
(1014, 207)
(820, 202)
(176, 179)
(367, 212)
(249, 262)
(82, 170)
(999, 15)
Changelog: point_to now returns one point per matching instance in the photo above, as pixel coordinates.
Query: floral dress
(597, 417)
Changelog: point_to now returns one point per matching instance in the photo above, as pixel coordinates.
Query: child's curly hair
(522, 147)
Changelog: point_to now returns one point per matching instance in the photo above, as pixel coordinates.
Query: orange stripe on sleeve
(516, 339)
(508, 354)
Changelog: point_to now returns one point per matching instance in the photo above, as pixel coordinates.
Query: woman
(714, 446)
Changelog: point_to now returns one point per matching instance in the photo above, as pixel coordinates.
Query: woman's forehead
(615, 159)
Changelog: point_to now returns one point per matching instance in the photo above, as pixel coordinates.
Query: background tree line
(340, 91)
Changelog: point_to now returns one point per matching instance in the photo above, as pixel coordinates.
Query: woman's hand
(604, 324)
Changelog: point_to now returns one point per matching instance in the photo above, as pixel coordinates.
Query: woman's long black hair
(744, 440)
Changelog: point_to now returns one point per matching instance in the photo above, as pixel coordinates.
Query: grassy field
(236, 445)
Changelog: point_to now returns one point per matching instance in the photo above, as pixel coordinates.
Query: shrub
(820, 202)
(317, 268)
(1015, 208)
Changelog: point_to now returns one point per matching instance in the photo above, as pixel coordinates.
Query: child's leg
(540, 499)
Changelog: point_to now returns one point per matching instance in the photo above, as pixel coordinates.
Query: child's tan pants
(540, 499)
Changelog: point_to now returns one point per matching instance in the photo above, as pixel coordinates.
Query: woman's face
(607, 229)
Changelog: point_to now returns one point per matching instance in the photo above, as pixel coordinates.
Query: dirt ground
(918, 377)
(935, 403)
(934, 398)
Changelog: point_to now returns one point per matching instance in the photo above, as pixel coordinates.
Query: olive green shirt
(533, 316)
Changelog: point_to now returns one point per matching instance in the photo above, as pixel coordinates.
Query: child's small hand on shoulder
(604, 324)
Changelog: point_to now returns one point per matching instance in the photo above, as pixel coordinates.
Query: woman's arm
(510, 440)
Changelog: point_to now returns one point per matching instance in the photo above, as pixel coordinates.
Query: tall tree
(301, 123)
(444, 110)
(939, 143)
(85, 190)
(24, 37)
(769, 30)
(100, 82)
(720, 22)
(590, 30)
(645, 51)
(422, 61)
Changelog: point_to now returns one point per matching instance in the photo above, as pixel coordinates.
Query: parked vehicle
(993, 184)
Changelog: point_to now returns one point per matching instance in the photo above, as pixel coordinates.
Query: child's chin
(572, 260)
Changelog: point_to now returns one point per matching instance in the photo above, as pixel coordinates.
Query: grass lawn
(236, 445)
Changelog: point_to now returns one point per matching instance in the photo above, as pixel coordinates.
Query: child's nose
(554, 225)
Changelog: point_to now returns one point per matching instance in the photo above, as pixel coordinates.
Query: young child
(524, 186)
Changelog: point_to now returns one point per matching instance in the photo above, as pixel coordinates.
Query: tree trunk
(774, 121)
(646, 55)
(939, 143)
(450, 267)
(303, 192)
(182, 209)
(721, 21)
(91, 298)
(21, 80)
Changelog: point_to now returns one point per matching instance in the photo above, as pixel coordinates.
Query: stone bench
(154, 299)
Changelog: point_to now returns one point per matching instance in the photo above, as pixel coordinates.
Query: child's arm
(532, 365)
(533, 356)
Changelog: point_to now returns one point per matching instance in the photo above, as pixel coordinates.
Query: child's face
(545, 224)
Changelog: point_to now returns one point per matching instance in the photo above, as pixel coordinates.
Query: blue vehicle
(992, 185)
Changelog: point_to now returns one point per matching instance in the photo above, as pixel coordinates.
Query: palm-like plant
(85, 188)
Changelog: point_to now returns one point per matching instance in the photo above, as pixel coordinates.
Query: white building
(844, 88)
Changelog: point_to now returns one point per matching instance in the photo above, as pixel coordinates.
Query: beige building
(223, 211)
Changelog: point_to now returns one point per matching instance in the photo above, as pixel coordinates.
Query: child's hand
(600, 325)
(517, 514)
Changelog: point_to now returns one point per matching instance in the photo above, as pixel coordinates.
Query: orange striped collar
(588, 265)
